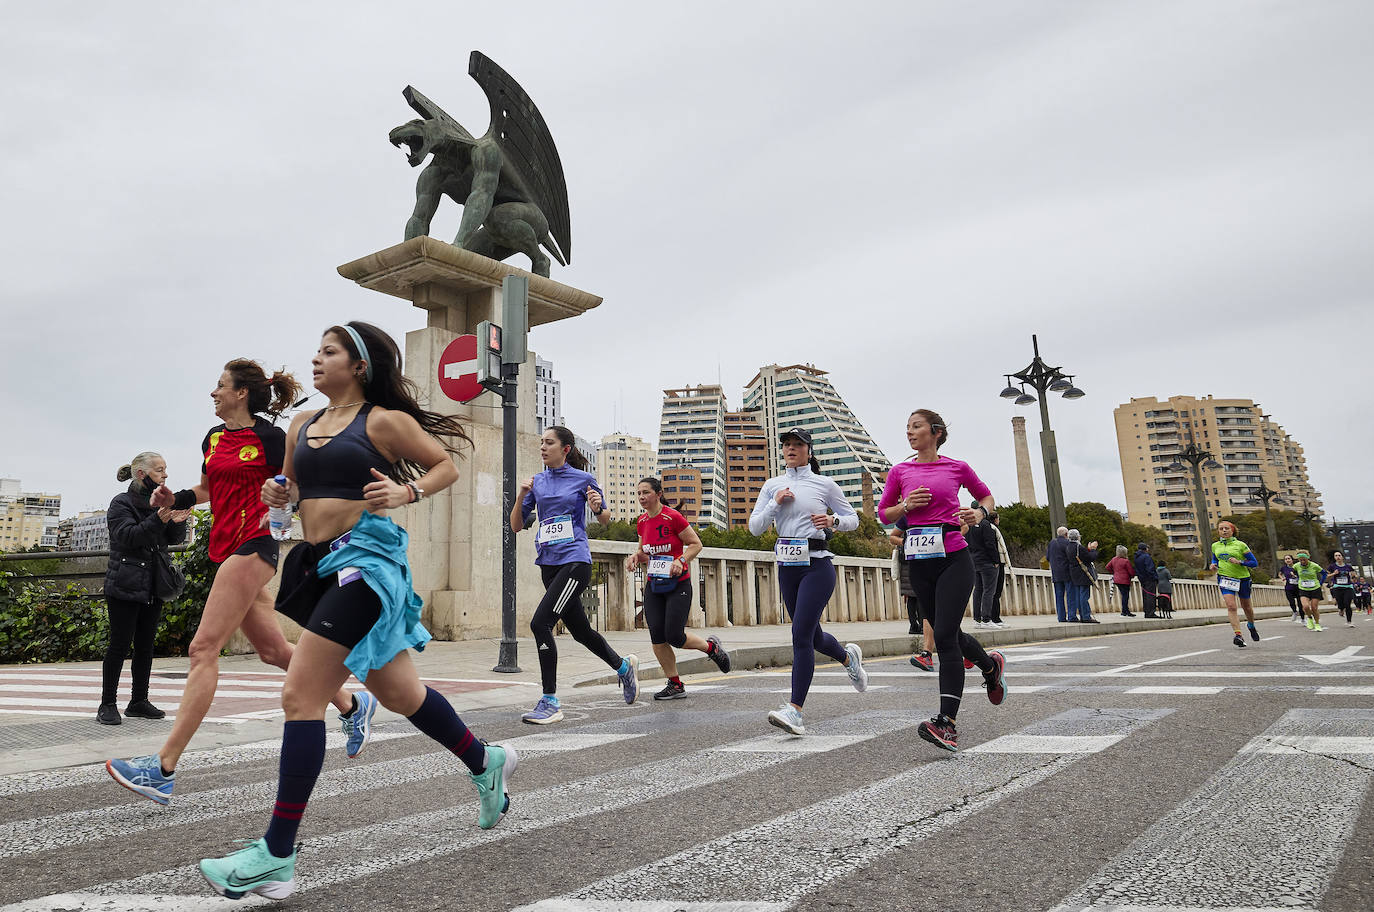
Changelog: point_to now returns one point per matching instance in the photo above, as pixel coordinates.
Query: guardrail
(741, 588)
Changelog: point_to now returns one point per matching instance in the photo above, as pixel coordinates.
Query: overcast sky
(1176, 196)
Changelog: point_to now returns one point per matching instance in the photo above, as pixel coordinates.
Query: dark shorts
(1244, 587)
(264, 546)
(342, 614)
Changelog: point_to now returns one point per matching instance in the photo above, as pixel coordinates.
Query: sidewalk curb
(780, 654)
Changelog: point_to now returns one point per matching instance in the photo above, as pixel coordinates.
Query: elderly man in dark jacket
(1057, 556)
(1145, 572)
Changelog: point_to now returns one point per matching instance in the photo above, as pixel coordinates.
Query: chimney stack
(1025, 484)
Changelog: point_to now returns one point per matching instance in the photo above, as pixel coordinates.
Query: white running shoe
(788, 718)
(857, 676)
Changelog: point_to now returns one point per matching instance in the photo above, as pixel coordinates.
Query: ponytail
(271, 395)
(815, 465)
(125, 473)
(565, 437)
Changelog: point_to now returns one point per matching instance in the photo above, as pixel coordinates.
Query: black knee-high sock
(302, 758)
(436, 718)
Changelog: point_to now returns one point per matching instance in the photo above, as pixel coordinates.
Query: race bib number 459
(554, 530)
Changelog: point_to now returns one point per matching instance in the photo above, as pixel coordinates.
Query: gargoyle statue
(509, 182)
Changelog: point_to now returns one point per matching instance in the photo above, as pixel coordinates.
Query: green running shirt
(1309, 577)
(1231, 548)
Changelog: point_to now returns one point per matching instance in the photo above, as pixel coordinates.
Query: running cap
(795, 434)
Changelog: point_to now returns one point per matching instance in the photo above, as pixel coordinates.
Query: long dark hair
(391, 389)
(658, 489)
(271, 395)
(566, 437)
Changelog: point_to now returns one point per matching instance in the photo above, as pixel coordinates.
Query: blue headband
(362, 351)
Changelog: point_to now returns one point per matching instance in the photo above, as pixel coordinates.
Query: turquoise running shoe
(252, 869)
(357, 728)
(491, 784)
(143, 775)
(629, 681)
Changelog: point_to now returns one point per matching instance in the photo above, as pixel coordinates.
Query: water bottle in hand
(279, 518)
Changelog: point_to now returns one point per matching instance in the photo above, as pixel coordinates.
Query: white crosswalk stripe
(773, 865)
(1293, 786)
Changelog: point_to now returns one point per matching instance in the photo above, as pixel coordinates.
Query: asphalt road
(1162, 771)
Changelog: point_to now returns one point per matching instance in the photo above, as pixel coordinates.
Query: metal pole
(1054, 489)
(1200, 512)
(507, 660)
(1273, 537)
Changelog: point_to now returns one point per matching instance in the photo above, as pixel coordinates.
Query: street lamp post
(1264, 495)
(1045, 379)
(1199, 459)
(1306, 516)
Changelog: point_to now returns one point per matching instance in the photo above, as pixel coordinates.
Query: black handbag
(171, 581)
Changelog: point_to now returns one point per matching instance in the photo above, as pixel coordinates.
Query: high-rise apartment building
(623, 459)
(1249, 447)
(548, 395)
(27, 519)
(746, 464)
(682, 487)
(691, 432)
(90, 531)
(800, 396)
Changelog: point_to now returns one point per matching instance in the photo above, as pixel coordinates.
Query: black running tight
(943, 586)
(1345, 598)
(562, 601)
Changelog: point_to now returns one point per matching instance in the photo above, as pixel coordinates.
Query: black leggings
(1344, 599)
(1293, 601)
(943, 586)
(806, 591)
(665, 613)
(133, 623)
(562, 601)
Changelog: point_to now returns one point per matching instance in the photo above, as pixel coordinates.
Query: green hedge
(42, 623)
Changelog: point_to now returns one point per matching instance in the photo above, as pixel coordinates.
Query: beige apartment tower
(1249, 445)
(622, 460)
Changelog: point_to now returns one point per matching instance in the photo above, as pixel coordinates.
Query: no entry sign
(458, 370)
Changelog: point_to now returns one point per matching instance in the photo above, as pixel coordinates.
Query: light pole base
(506, 659)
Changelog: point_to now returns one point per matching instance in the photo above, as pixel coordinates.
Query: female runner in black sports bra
(372, 449)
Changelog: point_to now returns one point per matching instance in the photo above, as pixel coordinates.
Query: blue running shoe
(491, 784)
(252, 869)
(357, 728)
(788, 718)
(629, 679)
(544, 713)
(143, 775)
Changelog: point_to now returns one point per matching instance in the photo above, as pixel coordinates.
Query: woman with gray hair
(1123, 571)
(1081, 577)
(135, 583)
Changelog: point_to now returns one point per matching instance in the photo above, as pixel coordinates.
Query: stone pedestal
(455, 536)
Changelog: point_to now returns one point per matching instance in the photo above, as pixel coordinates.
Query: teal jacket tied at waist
(377, 547)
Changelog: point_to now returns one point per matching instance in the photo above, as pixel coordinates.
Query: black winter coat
(982, 545)
(136, 535)
(1081, 557)
(1145, 567)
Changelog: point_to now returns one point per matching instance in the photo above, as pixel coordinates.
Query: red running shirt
(659, 534)
(236, 464)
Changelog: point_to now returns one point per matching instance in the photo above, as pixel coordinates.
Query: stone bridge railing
(741, 588)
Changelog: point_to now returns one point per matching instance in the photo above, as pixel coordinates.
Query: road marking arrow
(1340, 658)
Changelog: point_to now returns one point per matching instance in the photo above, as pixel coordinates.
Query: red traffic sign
(458, 370)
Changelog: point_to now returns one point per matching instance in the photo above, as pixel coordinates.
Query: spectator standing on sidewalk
(1122, 571)
(136, 582)
(1164, 589)
(982, 547)
(1149, 580)
(1057, 556)
(1082, 575)
(1003, 563)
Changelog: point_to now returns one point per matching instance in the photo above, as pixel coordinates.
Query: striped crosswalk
(700, 806)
